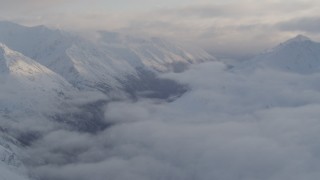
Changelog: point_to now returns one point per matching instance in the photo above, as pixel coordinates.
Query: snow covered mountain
(33, 101)
(298, 55)
(33, 96)
(109, 64)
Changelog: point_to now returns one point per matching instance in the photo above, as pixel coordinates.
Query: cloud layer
(232, 126)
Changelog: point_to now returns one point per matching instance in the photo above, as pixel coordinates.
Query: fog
(230, 125)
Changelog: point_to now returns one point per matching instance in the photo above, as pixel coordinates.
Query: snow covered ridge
(104, 64)
(156, 53)
(28, 84)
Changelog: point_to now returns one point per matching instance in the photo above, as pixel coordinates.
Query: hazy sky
(222, 26)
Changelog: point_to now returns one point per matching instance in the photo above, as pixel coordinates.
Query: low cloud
(258, 125)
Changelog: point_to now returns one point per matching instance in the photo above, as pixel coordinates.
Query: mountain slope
(108, 64)
(38, 97)
(154, 53)
(26, 84)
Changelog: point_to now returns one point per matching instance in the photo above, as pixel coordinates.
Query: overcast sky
(231, 27)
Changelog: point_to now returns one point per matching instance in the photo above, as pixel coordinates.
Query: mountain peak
(301, 37)
(298, 38)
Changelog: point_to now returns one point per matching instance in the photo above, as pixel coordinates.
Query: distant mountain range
(56, 79)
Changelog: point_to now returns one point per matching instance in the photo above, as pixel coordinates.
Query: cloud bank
(232, 126)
